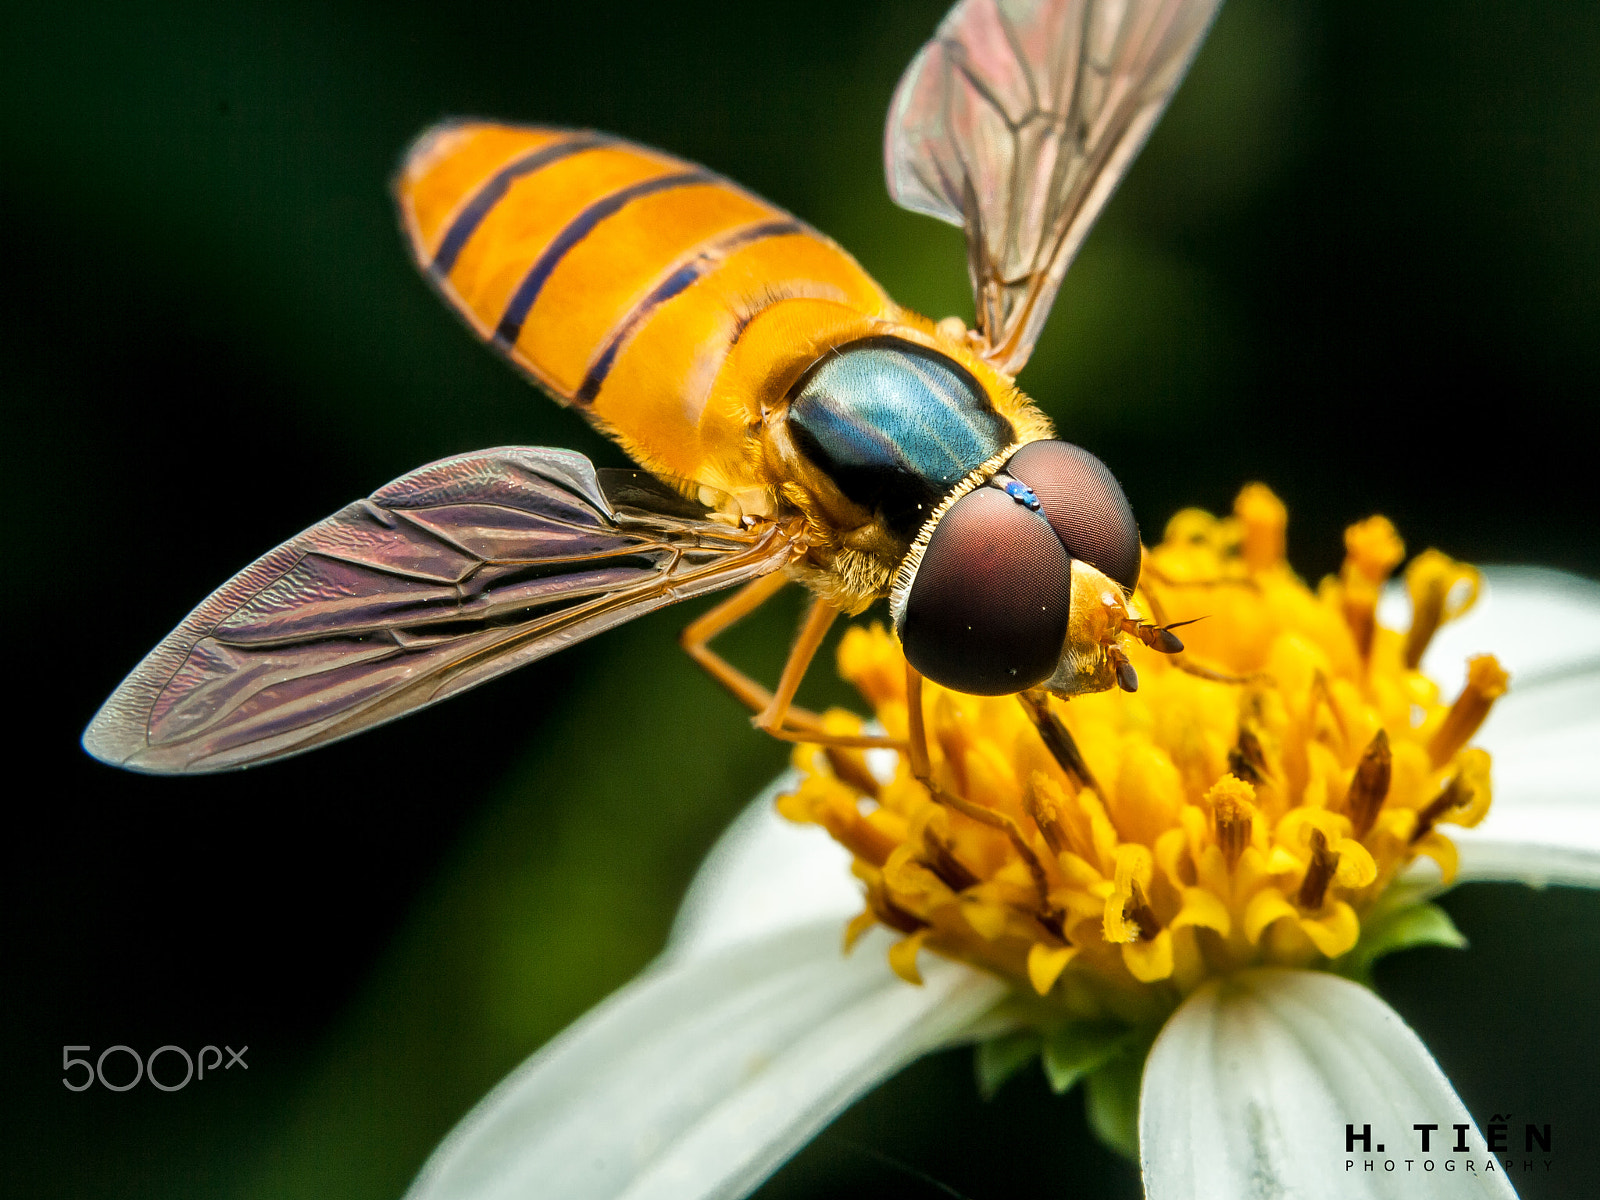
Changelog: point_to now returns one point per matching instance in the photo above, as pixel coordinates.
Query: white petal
(1536, 844)
(704, 1074)
(1538, 622)
(1545, 739)
(1544, 734)
(1249, 1088)
(1544, 825)
(765, 874)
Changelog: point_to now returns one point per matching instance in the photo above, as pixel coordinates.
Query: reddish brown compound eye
(1084, 504)
(987, 611)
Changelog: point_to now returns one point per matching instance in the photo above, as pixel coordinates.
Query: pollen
(1249, 805)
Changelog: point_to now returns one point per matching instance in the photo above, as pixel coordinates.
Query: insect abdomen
(617, 276)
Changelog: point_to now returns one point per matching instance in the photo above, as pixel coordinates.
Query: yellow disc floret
(1249, 804)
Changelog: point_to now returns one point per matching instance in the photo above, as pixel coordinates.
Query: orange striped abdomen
(621, 279)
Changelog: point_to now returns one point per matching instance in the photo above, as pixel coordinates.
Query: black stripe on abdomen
(492, 192)
(580, 227)
(675, 284)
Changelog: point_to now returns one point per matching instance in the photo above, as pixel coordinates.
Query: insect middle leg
(775, 713)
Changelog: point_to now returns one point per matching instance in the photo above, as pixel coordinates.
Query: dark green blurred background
(1358, 261)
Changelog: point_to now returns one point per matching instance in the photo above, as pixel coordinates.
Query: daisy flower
(1181, 917)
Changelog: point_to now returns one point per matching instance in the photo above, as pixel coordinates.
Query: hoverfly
(793, 422)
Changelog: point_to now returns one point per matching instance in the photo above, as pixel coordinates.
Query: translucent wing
(1017, 122)
(447, 577)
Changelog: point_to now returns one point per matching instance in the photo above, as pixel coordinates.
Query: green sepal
(999, 1058)
(1111, 1097)
(1401, 923)
(1080, 1048)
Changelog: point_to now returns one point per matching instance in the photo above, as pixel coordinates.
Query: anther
(850, 767)
(942, 861)
(1452, 796)
(1058, 740)
(1044, 816)
(1054, 920)
(1324, 862)
(1233, 831)
(890, 913)
(1486, 683)
(1431, 579)
(1232, 815)
(1137, 909)
(1265, 520)
(1372, 550)
(1247, 759)
(1127, 677)
(1369, 787)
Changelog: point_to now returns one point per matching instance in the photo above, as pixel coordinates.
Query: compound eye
(987, 612)
(1084, 504)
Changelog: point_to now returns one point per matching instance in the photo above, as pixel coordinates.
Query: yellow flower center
(1248, 805)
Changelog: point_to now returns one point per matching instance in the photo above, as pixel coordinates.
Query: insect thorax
(895, 426)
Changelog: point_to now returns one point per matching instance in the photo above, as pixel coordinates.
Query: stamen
(942, 861)
(1000, 821)
(1486, 683)
(1247, 759)
(1372, 551)
(850, 767)
(1370, 785)
(1466, 795)
(1063, 819)
(1323, 694)
(1120, 865)
(1265, 521)
(1232, 816)
(1044, 814)
(1432, 579)
(1319, 874)
(890, 913)
(1058, 740)
(1137, 909)
(1053, 920)
(858, 835)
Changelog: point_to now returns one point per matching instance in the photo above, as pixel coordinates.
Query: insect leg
(917, 730)
(812, 630)
(696, 639)
(791, 724)
(922, 770)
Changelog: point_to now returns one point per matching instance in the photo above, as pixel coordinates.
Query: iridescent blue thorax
(896, 427)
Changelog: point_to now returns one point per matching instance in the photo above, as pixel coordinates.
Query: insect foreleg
(775, 714)
(917, 730)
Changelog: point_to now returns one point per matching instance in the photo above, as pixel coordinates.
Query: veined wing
(446, 577)
(1017, 121)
